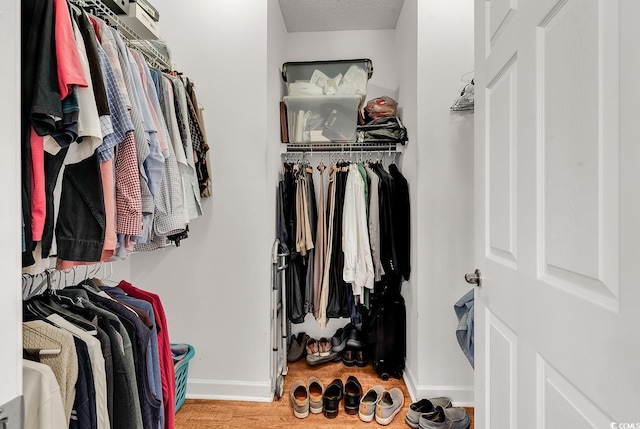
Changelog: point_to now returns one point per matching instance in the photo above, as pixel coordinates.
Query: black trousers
(81, 220)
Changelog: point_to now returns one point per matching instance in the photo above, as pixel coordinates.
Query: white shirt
(97, 366)
(358, 265)
(43, 407)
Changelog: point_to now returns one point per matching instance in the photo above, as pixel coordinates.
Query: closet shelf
(341, 147)
(130, 37)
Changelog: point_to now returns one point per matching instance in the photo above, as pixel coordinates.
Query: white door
(557, 209)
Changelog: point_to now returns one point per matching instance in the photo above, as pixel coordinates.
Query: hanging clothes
(38, 335)
(401, 221)
(109, 350)
(324, 291)
(321, 246)
(358, 264)
(96, 144)
(374, 222)
(366, 208)
(311, 213)
(43, 408)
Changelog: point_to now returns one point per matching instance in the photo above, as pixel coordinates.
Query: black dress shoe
(348, 357)
(352, 395)
(331, 398)
(361, 358)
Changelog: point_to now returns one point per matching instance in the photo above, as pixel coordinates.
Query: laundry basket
(181, 366)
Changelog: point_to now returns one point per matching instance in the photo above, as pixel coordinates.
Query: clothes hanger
(50, 302)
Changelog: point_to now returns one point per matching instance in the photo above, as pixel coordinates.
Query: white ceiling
(337, 15)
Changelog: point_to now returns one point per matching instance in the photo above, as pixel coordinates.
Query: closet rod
(130, 37)
(342, 148)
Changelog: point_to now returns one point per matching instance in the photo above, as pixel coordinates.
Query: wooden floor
(279, 413)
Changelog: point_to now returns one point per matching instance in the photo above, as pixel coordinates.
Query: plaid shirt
(141, 140)
(120, 118)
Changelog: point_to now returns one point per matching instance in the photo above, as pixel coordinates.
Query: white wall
(406, 44)
(445, 195)
(10, 209)
(215, 287)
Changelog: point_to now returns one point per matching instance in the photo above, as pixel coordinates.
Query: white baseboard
(461, 396)
(226, 390)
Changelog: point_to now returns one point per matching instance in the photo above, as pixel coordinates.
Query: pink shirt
(70, 70)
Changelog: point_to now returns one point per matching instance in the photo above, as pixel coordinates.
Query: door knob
(474, 278)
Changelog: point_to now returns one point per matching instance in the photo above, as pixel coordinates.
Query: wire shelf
(154, 57)
(342, 147)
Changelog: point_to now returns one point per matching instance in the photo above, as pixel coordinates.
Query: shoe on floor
(300, 399)
(352, 395)
(312, 347)
(324, 346)
(449, 418)
(367, 410)
(348, 357)
(297, 347)
(331, 398)
(316, 390)
(389, 405)
(425, 406)
(339, 339)
(354, 338)
(319, 360)
(361, 358)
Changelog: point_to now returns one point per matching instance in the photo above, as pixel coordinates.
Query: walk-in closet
(532, 195)
(216, 286)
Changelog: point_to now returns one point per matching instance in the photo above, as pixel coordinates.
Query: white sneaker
(367, 409)
(389, 405)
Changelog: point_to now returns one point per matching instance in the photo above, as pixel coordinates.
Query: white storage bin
(332, 77)
(323, 118)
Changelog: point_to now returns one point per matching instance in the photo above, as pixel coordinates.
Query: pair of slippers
(320, 351)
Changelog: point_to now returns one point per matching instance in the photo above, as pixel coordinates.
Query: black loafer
(352, 395)
(331, 398)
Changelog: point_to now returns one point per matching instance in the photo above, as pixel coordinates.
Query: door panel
(556, 215)
(561, 405)
(502, 165)
(501, 388)
(573, 216)
(499, 15)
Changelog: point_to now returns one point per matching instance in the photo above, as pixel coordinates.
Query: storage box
(322, 118)
(141, 22)
(303, 70)
(332, 77)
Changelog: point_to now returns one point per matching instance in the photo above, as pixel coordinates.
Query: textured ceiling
(337, 15)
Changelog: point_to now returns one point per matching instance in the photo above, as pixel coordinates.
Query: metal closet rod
(130, 37)
(341, 148)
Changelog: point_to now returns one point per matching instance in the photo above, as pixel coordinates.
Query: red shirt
(167, 369)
